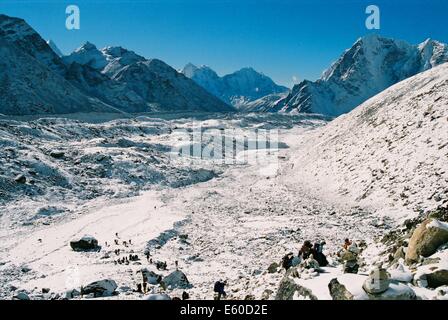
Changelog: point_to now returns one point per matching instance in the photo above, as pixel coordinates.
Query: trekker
(318, 254)
(287, 261)
(347, 244)
(306, 250)
(219, 289)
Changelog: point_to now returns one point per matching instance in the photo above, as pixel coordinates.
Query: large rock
(273, 267)
(425, 240)
(86, 243)
(288, 290)
(396, 291)
(437, 278)
(338, 291)
(20, 179)
(176, 279)
(102, 288)
(150, 276)
(21, 296)
(377, 282)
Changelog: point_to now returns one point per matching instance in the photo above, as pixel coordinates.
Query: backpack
(219, 286)
(287, 261)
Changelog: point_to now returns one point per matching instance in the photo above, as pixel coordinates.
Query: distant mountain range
(34, 79)
(238, 89)
(370, 66)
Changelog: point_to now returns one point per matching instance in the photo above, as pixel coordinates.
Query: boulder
(338, 291)
(266, 294)
(288, 289)
(20, 179)
(354, 286)
(273, 267)
(399, 254)
(437, 278)
(22, 296)
(102, 288)
(150, 276)
(377, 282)
(426, 239)
(176, 279)
(441, 213)
(70, 294)
(86, 243)
(57, 154)
(396, 291)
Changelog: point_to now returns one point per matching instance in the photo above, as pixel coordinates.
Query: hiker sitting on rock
(306, 250)
(318, 254)
(287, 261)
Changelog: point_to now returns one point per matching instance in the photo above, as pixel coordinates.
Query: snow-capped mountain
(238, 88)
(371, 65)
(32, 76)
(88, 80)
(151, 82)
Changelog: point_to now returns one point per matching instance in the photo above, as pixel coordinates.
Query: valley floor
(231, 227)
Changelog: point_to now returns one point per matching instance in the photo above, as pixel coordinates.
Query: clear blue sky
(282, 38)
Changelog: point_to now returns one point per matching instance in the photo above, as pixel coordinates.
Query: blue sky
(282, 38)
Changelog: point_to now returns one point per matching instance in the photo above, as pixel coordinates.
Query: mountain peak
(370, 66)
(189, 70)
(87, 46)
(237, 88)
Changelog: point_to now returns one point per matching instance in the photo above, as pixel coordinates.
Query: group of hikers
(312, 257)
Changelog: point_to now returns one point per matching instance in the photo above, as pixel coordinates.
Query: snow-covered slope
(391, 152)
(88, 79)
(17, 31)
(55, 48)
(371, 65)
(238, 88)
